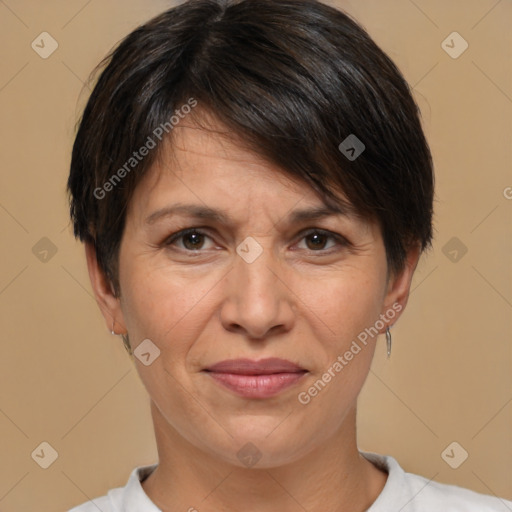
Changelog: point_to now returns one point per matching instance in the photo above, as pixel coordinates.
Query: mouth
(256, 379)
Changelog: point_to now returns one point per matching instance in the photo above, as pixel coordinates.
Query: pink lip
(250, 367)
(256, 379)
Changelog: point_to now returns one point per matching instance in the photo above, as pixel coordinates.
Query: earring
(388, 341)
(126, 343)
(126, 340)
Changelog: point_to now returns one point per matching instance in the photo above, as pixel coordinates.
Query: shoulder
(431, 496)
(408, 492)
(130, 498)
(102, 503)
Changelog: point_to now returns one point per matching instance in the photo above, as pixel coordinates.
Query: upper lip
(250, 367)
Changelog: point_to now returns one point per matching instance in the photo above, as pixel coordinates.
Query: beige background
(65, 380)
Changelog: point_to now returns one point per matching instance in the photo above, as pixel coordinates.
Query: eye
(190, 240)
(320, 240)
(196, 240)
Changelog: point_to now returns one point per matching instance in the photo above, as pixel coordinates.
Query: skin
(304, 299)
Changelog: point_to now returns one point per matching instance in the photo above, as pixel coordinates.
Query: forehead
(203, 162)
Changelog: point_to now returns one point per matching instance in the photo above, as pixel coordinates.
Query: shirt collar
(135, 499)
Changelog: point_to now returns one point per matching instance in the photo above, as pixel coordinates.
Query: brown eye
(316, 241)
(190, 240)
(321, 241)
(193, 241)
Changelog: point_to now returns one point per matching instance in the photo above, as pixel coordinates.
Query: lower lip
(257, 386)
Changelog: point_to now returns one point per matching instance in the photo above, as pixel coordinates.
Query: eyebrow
(213, 214)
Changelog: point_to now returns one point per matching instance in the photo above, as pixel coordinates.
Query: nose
(258, 302)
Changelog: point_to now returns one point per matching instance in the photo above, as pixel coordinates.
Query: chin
(262, 443)
(261, 454)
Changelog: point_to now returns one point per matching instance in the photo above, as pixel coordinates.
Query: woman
(254, 190)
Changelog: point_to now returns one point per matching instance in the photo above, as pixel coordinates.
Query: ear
(108, 303)
(399, 285)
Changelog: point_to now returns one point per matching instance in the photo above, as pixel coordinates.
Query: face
(226, 258)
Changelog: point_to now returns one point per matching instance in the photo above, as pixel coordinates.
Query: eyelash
(340, 240)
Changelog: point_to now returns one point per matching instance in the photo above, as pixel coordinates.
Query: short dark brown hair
(293, 79)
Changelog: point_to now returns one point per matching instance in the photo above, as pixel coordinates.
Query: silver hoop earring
(126, 340)
(126, 343)
(388, 341)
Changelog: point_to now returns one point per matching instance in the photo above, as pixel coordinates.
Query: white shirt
(404, 492)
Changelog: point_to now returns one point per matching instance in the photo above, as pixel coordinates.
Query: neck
(333, 477)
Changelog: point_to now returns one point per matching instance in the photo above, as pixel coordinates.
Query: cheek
(171, 311)
(344, 304)
(343, 312)
(164, 306)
